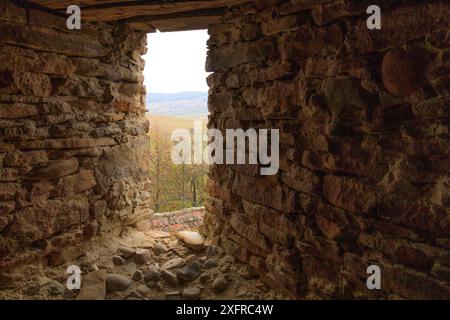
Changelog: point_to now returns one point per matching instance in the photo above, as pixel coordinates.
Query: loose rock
(210, 263)
(116, 282)
(210, 250)
(144, 291)
(174, 263)
(118, 260)
(152, 274)
(190, 258)
(159, 286)
(175, 295)
(135, 295)
(170, 278)
(191, 293)
(190, 272)
(125, 252)
(55, 288)
(205, 278)
(142, 256)
(159, 249)
(248, 273)
(93, 287)
(219, 284)
(138, 275)
(193, 240)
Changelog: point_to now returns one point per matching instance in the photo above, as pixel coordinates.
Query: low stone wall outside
(178, 220)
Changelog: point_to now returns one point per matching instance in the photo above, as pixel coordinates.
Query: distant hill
(167, 124)
(182, 104)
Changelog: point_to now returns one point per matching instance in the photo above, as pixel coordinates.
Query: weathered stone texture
(364, 167)
(73, 145)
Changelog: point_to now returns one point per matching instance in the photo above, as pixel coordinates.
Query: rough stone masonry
(364, 120)
(363, 115)
(73, 145)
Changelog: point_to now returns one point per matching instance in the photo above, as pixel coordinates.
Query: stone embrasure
(364, 162)
(364, 141)
(73, 144)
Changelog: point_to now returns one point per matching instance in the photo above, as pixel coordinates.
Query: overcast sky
(175, 62)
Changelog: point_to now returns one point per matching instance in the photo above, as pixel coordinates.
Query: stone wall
(73, 145)
(186, 219)
(364, 117)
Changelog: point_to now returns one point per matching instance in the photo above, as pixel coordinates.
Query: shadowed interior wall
(73, 145)
(364, 121)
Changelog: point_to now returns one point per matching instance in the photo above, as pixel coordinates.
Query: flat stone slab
(157, 234)
(93, 287)
(173, 263)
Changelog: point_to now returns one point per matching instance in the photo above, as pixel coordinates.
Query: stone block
(26, 83)
(13, 13)
(350, 194)
(43, 220)
(401, 25)
(55, 169)
(79, 182)
(404, 72)
(49, 40)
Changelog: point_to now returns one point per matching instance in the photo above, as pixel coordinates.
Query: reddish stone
(403, 72)
(330, 229)
(350, 194)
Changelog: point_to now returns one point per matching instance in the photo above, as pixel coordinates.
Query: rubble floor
(220, 276)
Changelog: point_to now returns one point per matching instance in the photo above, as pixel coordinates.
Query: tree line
(173, 187)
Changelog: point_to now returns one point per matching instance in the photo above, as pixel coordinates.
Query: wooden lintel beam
(133, 9)
(191, 20)
(112, 10)
(144, 15)
(178, 15)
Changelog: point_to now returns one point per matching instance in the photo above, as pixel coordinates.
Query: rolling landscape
(168, 124)
(191, 105)
(171, 111)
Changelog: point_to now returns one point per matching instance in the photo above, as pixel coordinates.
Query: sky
(175, 62)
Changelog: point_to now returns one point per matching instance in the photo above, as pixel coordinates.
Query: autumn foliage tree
(173, 187)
